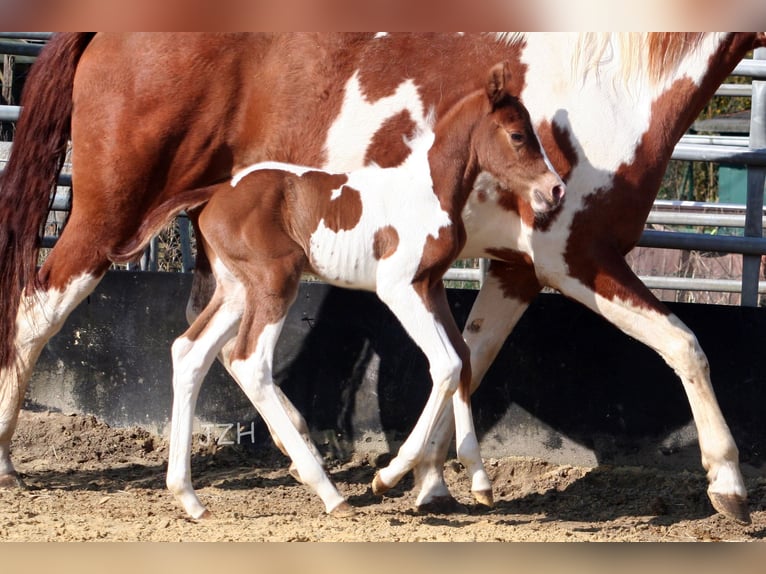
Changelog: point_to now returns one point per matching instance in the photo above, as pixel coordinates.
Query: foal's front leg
(425, 315)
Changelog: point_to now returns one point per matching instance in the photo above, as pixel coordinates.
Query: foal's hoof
(378, 486)
(343, 510)
(731, 506)
(206, 515)
(484, 497)
(11, 481)
(441, 505)
(293, 470)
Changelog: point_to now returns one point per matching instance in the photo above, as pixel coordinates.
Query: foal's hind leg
(66, 282)
(193, 353)
(428, 321)
(251, 365)
(203, 285)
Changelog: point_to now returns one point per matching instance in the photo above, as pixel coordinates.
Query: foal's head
(504, 143)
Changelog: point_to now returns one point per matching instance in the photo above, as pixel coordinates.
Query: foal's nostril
(557, 193)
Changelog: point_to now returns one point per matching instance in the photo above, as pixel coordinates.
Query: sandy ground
(86, 481)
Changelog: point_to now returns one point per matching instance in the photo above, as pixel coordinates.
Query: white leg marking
(254, 374)
(491, 320)
(678, 346)
(191, 362)
(40, 316)
(445, 366)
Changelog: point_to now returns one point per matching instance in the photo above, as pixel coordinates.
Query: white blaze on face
(359, 119)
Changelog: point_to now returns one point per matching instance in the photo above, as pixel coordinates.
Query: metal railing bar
(696, 284)
(701, 242)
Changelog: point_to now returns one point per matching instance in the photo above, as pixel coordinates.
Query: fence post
(756, 177)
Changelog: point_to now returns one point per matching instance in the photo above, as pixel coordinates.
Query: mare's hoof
(731, 506)
(11, 481)
(343, 510)
(441, 505)
(378, 486)
(484, 497)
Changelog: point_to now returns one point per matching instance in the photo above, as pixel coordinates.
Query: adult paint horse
(608, 109)
(355, 231)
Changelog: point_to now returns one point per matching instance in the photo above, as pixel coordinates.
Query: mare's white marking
(40, 316)
(359, 119)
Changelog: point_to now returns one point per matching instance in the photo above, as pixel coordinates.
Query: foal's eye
(517, 137)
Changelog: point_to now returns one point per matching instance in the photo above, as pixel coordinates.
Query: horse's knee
(446, 377)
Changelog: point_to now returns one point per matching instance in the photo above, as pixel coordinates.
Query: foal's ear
(499, 78)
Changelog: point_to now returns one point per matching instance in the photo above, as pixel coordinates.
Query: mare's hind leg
(203, 285)
(634, 309)
(427, 319)
(67, 277)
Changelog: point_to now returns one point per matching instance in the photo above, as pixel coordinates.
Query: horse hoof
(378, 486)
(11, 481)
(484, 497)
(204, 516)
(441, 505)
(731, 506)
(343, 510)
(293, 470)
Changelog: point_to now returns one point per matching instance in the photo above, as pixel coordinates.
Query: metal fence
(743, 151)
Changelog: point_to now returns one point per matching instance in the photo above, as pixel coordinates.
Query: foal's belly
(344, 258)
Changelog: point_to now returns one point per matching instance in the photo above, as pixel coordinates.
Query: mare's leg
(427, 319)
(193, 353)
(71, 271)
(501, 302)
(624, 300)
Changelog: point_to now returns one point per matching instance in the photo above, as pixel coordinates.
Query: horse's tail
(160, 217)
(37, 155)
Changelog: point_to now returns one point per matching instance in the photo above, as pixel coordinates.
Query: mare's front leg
(424, 313)
(625, 301)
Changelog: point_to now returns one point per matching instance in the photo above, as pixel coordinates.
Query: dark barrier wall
(567, 386)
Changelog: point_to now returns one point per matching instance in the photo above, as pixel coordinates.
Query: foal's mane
(656, 54)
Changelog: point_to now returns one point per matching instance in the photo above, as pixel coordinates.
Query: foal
(354, 230)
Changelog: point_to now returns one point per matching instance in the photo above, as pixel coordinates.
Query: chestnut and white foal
(275, 220)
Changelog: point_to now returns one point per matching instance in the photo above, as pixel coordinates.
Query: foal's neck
(452, 158)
